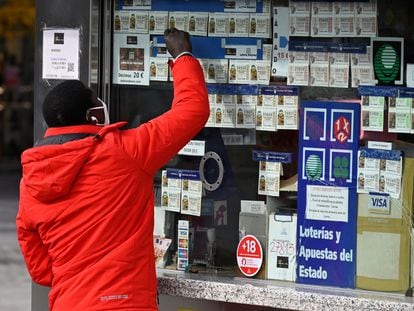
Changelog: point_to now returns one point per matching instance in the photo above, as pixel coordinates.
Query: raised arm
(160, 139)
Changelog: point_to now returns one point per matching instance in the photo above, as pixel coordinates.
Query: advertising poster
(60, 58)
(131, 59)
(327, 176)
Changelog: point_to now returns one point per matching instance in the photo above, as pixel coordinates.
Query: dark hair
(66, 104)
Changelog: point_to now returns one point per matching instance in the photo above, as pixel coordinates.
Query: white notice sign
(60, 58)
(131, 59)
(327, 203)
(194, 148)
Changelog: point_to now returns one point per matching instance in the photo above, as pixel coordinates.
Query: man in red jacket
(86, 210)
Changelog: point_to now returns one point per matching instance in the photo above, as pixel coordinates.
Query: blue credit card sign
(326, 232)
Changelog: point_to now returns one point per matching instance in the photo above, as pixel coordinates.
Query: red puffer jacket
(86, 210)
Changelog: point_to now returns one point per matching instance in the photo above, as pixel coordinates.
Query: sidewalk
(15, 285)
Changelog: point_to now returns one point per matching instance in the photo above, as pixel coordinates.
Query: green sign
(341, 167)
(387, 60)
(313, 167)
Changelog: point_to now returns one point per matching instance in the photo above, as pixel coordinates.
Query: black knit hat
(66, 104)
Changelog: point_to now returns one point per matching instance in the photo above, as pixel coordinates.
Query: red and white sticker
(342, 129)
(249, 255)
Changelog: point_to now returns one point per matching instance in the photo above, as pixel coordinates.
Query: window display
(294, 80)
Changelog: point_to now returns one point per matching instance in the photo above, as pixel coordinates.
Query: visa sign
(379, 203)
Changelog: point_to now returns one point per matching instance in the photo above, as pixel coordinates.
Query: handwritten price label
(281, 247)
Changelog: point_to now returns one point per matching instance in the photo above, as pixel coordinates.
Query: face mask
(105, 113)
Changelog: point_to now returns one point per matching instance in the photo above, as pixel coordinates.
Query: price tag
(249, 255)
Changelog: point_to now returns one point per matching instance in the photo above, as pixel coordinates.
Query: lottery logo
(313, 167)
(386, 63)
(341, 167)
(342, 129)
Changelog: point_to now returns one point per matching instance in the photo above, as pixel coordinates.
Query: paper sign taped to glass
(131, 59)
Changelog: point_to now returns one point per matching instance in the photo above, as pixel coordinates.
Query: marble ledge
(276, 294)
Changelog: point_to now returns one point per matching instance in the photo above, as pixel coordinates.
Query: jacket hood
(50, 171)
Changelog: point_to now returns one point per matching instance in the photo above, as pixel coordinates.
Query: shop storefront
(298, 193)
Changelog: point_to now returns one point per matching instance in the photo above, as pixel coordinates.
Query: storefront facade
(298, 193)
